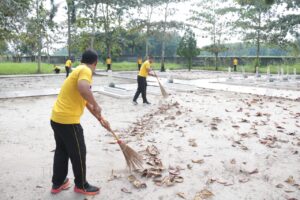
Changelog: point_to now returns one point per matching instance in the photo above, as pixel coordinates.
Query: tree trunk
(147, 43)
(69, 31)
(190, 64)
(93, 28)
(162, 67)
(257, 63)
(216, 61)
(40, 38)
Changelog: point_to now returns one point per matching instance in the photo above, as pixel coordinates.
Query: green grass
(129, 66)
(7, 68)
(24, 68)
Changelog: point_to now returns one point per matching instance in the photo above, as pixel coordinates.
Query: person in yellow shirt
(235, 63)
(74, 96)
(68, 66)
(142, 81)
(56, 69)
(139, 62)
(108, 63)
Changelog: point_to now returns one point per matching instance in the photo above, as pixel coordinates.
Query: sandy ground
(224, 145)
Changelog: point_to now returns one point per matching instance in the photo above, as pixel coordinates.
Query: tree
(12, 14)
(71, 19)
(165, 25)
(285, 27)
(188, 47)
(214, 19)
(252, 21)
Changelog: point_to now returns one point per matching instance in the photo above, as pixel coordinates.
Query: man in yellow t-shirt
(142, 81)
(68, 66)
(108, 63)
(74, 96)
(235, 63)
(139, 62)
(56, 69)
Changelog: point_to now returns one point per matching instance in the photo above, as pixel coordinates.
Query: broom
(133, 159)
(162, 89)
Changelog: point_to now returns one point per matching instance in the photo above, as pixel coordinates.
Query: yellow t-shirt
(143, 71)
(108, 61)
(69, 104)
(235, 61)
(139, 61)
(68, 63)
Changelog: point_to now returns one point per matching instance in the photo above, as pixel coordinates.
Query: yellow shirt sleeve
(85, 74)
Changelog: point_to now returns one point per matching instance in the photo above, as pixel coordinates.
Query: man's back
(70, 104)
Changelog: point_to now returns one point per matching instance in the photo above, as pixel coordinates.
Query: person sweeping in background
(142, 81)
(139, 62)
(68, 66)
(235, 62)
(74, 96)
(108, 63)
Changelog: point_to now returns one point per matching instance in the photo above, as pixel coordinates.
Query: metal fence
(197, 61)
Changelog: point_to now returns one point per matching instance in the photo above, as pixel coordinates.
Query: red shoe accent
(82, 191)
(64, 186)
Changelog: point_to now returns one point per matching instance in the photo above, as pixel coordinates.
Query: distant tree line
(127, 27)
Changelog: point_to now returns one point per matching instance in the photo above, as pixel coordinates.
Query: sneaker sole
(63, 187)
(80, 191)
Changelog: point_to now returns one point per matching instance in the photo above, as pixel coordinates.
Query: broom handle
(156, 77)
(108, 128)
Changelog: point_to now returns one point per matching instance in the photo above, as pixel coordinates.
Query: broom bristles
(163, 91)
(133, 159)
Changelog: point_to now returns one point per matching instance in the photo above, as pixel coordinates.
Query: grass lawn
(24, 68)
(129, 66)
(7, 68)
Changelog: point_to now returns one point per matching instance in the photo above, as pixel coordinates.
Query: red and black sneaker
(58, 188)
(87, 190)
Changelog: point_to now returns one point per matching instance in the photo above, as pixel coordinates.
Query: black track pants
(69, 144)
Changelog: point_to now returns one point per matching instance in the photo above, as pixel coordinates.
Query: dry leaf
(236, 126)
(181, 194)
(152, 150)
(125, 191)
(224, 183)
(200, 161)
(290, 180)
(244, 180)
(137, 183)
(203, 194)
(199, 120)
(254, 171)
(113, 176)
(279, 185)
(258, 114)
(245, 121)
(192, 142)
(232, 161)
